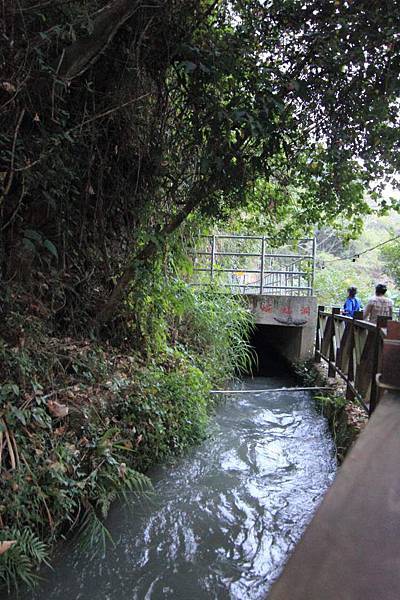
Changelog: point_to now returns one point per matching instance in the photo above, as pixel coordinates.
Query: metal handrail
(276, 273)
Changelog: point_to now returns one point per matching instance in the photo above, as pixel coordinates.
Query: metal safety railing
(248, 264)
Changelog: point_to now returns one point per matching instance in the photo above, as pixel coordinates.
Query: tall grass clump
(219, 325)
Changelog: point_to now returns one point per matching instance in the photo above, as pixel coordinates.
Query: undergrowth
(345, 418)
(307, 374)
(81, 420)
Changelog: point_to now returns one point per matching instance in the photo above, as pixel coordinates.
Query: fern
(18, 564)
(106, 498)
(31, 545)
(93, 533)
(135, 482)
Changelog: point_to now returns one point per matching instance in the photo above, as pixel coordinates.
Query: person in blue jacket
(352, 303)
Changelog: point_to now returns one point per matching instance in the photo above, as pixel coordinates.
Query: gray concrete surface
(288, 323)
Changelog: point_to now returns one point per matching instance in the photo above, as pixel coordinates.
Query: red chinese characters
(266, 307)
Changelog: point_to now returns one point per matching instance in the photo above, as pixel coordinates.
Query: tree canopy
(121, 120)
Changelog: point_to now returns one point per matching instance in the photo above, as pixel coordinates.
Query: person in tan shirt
(378, 305)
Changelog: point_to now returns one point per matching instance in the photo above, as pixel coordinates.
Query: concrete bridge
(285, 324)
(277, 282)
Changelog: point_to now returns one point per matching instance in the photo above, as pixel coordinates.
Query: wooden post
(389, 367)
(350, 369)
(332, 352)
(373, 397)
(317, 356)
(357, 316)
(375, 391)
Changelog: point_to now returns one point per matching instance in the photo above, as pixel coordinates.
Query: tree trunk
(144, 255)
(86, 51)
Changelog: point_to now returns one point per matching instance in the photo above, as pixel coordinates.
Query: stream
(223, 519)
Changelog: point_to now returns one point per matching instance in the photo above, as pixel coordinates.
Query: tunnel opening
(275, 349)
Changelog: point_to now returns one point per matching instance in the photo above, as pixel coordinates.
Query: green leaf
(33, 235)
(51, 248)
(20, 415)
(29, 245)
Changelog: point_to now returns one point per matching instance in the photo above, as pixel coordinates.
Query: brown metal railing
(359, 352)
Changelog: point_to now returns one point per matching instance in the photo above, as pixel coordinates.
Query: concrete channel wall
(287, 323)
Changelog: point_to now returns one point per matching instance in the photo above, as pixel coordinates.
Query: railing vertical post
(212, 257)
(262, 264)
(292, 279)
(375, 392)
(317, 337)
(314, 254)
(357, 316)
(332, 353)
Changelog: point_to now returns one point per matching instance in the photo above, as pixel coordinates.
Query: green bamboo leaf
(51, 248)
(33, 235)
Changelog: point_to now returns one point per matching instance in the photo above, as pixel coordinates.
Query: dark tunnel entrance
(276, 347)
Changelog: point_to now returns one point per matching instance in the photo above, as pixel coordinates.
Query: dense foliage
(390, 255)
(364, 262)
(118, 123)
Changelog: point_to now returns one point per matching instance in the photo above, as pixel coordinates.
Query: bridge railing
(248, 264)
(360, 352)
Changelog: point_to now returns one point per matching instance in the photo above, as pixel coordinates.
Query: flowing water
(223, 519)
